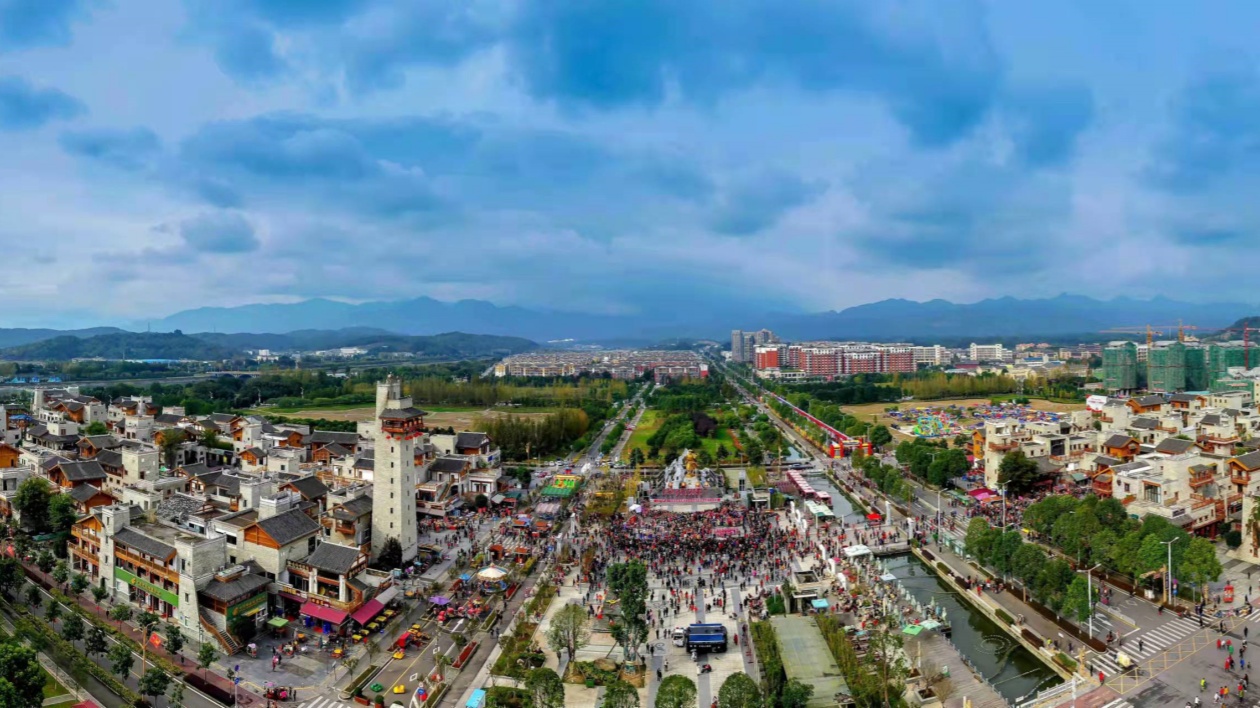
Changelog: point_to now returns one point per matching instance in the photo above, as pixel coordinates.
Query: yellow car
(400, 688)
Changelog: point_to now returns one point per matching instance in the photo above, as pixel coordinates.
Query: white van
(680, 636)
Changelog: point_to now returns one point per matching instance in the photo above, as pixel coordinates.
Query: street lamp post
(1003, 487)
(1089, 595)
(1168, 580)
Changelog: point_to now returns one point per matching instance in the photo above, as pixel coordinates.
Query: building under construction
(1222, 356)
(1120, 366)
(1166, 367)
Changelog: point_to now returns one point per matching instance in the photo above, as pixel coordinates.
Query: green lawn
(52, 687)
(650, 423)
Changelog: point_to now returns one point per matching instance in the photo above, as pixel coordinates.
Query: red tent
(873, 516)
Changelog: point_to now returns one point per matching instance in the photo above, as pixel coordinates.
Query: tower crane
(1150, 330)
(1245, 329)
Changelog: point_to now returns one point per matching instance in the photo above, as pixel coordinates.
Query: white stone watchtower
(399, 429)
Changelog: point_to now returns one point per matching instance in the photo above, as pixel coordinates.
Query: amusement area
(949, 421)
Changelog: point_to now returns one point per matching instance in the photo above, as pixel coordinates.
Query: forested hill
(122, 345)
(456, 345)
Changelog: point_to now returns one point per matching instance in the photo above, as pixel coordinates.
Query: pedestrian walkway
(1146, 644)
(325, 702)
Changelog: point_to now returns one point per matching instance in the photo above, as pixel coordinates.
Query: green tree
(11, 575)
(391, 554)
(96, 427)
(739, 691)
(79, 583)
(154, 683)
(53, 612)
(1026, 564)
(172, 439)
(21, 679)
(61, 513)
(45, 561)
(722, 452)
(795, 694)
(570, 630)
(121, 660)
(628, 581)
(99, 593)
(177, 693)
(31, 502)
(1018, 473)
(880, 436)
(676, 692)
(620, 694)
(34, 598)
(1004, 549)
(73, 628)
(1077, 603)
(95, 643)
(1052, 583)
(1125, 554)
(947, 465)
(980, 539)
(175, 641)
(61, 572)
(545, 687)
(1199, 564)
(120, 614)
(206, 657)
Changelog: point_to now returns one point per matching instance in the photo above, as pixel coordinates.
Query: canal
(1012, 670)
(1004, 662)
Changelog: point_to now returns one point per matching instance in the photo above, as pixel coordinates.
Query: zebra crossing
(1144, 646)
(324, 702)
(1119, 703)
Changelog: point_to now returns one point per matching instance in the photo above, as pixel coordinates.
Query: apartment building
(989, 352)
(934, 355)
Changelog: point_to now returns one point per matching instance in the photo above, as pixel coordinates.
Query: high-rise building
(764, 336)
(935, 355)
(1197, 375)
(770, 357)
(987, 352)
(399, 429)
(1166, 367)
(1120, 366)
(737, 345)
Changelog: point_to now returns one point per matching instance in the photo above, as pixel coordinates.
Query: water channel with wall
(1010, 668)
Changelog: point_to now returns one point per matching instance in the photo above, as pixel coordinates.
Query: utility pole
(1003, 487)
(1089, 594)
(1168, 580)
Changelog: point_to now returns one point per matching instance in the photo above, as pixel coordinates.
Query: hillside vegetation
(122, 345)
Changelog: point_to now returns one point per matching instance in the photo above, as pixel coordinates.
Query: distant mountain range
(326, 324)
(119, 344)
(884, 320)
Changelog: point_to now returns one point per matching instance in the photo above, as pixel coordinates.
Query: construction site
(1186, 363)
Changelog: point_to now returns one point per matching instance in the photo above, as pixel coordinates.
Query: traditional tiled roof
(332, 436)
(82, 471)
(134, 539)
(1174, 446)
(467, 440)
(245, 586)
(309, 487)
(289, 527)
(1118, 440)
(449, 464)
(333, 558)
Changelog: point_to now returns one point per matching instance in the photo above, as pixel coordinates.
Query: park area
(652, 421)
(459, 418)
(946, 419)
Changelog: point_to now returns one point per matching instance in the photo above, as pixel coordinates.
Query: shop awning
(387, 595)
(820, 604)
(1081, 477)
(365, 614)
(324, 614)
(278, 622)
(497, 499)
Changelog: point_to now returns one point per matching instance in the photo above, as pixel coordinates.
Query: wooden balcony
(85, 554)
(147, 566)
(1199, 480)
(1003, 447)
(84, 535)
(1242, 478)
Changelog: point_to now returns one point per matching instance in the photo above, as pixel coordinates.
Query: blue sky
(621, 156)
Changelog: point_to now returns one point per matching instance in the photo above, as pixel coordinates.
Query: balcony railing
(1003, 447)
(147, 566)
(1243, 478)
(1199, 480)
(84, 553)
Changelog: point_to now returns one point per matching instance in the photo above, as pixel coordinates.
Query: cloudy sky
(620, 156)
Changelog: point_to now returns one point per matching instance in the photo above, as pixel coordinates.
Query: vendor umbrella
(873, 516)
(440, 600)
(912, 629)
